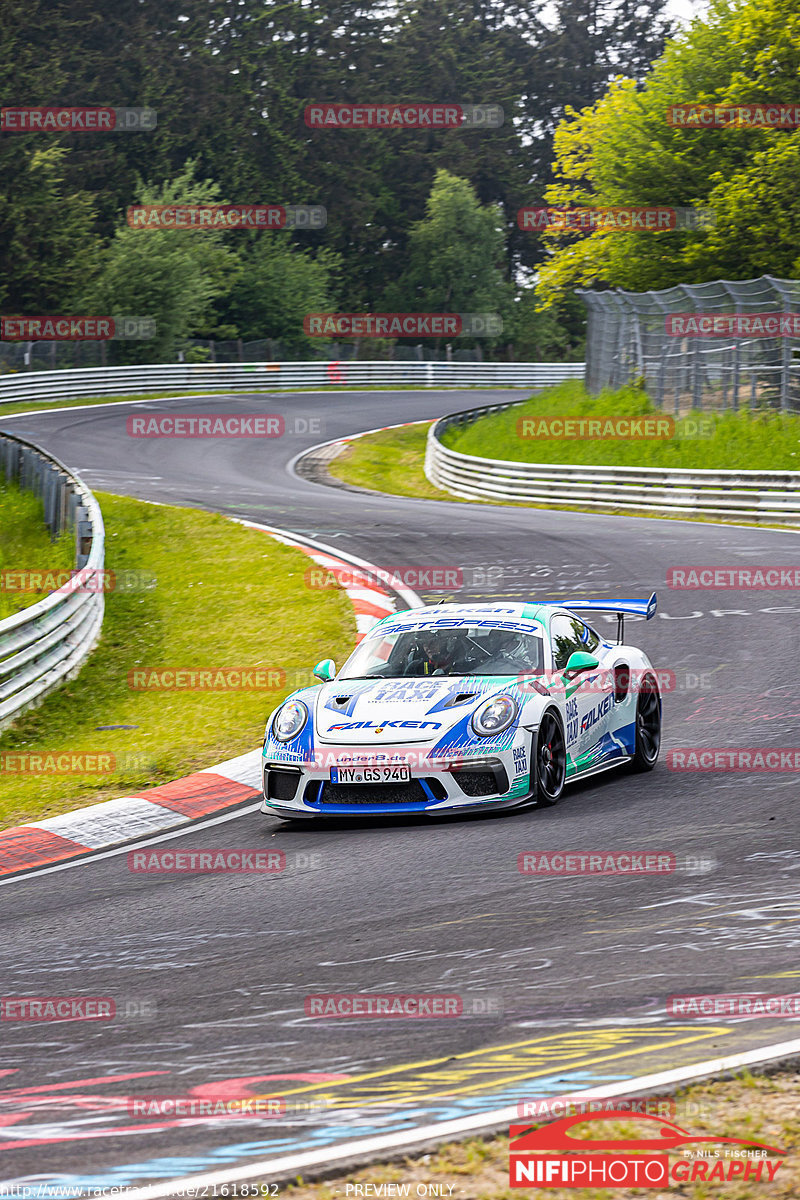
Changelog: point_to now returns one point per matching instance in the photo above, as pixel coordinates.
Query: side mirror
(580, 661)
(325, 670)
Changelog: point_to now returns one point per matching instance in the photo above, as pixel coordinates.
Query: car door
(589, 697)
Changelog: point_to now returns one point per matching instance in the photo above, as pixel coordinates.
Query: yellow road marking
(551, 1047)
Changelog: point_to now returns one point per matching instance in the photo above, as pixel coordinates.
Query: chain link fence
(710, 362)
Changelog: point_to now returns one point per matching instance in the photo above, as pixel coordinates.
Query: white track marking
(407, 1140)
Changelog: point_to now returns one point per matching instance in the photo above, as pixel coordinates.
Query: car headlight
(494, 716)
(289, 720)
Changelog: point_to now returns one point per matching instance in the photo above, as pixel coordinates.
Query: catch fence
(633, 336)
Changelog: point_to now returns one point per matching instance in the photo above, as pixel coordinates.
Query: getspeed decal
(518, 626)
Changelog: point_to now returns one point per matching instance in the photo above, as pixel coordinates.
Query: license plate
(397, 774)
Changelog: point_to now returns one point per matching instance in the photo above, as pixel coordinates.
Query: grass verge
(760, 1107)
(389, 461)
(763, 440)
(392, 460)
(223, 597)
(25, 545)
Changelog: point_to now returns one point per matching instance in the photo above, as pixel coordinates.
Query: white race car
(454, 707)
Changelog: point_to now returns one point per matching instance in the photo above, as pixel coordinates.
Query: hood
(388, 711)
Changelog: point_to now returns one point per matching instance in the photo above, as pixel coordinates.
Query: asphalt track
(575, 972)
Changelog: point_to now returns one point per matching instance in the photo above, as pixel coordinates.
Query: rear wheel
(648, 726)
(549, 766)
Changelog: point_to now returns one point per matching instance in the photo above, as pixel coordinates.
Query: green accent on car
(531, 612)
(519, 787)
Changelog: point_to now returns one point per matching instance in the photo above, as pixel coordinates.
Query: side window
(564, 639)
(568, 634)
(589, 639)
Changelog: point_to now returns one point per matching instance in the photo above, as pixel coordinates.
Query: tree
(278, 286)
(622, 151)
(455, 257)
(555, 335)
(171, 275)
(47, 237)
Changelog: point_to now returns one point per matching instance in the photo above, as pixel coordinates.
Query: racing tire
(647, 727)
(549, 762)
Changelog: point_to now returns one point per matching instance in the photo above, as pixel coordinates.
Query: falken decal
(378, 725)
(594, 714)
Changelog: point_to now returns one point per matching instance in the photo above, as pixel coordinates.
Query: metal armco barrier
(772, 497)
(43, 645)
(46, 386)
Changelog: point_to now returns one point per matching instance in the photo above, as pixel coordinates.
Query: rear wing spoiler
(634, 608)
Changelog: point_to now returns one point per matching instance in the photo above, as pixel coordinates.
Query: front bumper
(491, 780)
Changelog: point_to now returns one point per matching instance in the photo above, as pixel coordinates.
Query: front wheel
(648, 726)
(549, 766)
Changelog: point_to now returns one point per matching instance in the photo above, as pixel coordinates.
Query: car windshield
(467, 650)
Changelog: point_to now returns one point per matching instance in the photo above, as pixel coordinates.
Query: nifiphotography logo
(551, 1156)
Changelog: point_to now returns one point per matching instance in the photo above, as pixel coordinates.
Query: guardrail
(772, 497)
(46, 386)
(43, 645)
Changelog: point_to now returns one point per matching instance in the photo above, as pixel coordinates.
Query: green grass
(224, 596)
(25, 545)
(744, 440)
(390, 461)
